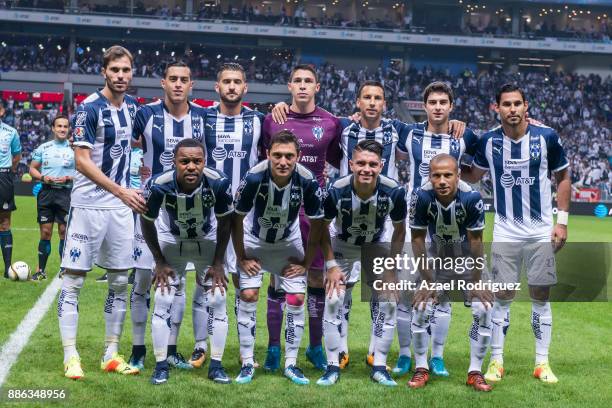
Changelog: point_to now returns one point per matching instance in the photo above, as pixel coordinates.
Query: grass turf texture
(578, 352)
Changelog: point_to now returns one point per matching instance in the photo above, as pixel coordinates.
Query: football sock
(500, 321)
(247, 315)
(440, 324)
(200, 317)
(385, 331)
(178, 310)
(140, 301)
(332, 321)
(294, 329)
(420, 334)
(541, 323)
(44, 250)
(374, 316)
(6, 243)
(68, 313)
(348, 303)
(217, 316)
(316, 304)
(160, 320)
(479, 334)
(114, 310)
(274, 315)
(404, 332)
(61, 248)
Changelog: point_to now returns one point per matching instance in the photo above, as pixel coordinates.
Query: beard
(236, 101)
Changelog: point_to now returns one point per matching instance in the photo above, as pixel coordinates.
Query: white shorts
(230, 258)
(509, 256)
(143, 259)
(348, 257)
(199, 253)
(99, 236)
(273, 258)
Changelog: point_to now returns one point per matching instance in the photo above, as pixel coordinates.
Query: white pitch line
(20, 337)
(25, 229)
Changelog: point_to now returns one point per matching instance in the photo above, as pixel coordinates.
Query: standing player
(318, 132)
(270, 196)
(100, 225)
(188, 232)
(520, 156)
(452, 215)
(159, 126)
(232, 136)
(53, 165)
(360, 204)
(10, 154)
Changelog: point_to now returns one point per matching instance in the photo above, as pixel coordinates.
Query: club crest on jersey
(454, 146)
(317, 132)
(137, 253)
(460, 215)
(295, 199)
(75, 253)
(196, 131)
(208, 199)
(382, 207)
(534, 150)
(387, 136)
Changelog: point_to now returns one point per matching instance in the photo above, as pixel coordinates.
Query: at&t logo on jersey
(309, 159)
(266, 223)
(507, 180)
(166, 159)
(117, 151)
(424, 169)
(220, 154)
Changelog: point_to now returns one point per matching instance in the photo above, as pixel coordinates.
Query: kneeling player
(271, 194)
(360, 203)
(188, 232)
(453, 214)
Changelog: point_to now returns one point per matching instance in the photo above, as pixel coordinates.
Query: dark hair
(116, 52)
(304, 67)
(60, 116)
(442, 157)
(284, 137)
(188, 143)
(438, 87)
(176, 63)
(369, 145)
(371, 83)
(230, 66)
(507, 88)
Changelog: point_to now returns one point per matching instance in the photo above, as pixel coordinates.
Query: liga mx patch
(317, 132)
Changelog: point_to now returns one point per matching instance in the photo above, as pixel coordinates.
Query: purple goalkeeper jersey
(319, 134)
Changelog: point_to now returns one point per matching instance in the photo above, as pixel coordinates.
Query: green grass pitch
(579, 352)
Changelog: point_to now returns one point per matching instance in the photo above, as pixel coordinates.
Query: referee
(53, 165)
(10, 154)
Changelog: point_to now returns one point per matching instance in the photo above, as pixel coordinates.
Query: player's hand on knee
(484, 296)
(559, 236)
(422, 297)
(456, 128)
(334, 281)
(279, 112)
(294, 268)
(133, 199)
(250, 266)
(219, 280)
(163, 271)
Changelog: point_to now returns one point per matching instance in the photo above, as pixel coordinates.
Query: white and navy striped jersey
(392, 134)
(357, 221)
(188, 216)
(272, 212)
(447, 225)
(161, 131)
(106, 130)
(232, 142)
(423, 146)
(521, 183)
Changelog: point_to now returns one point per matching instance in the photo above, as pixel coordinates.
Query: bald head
(443, 159)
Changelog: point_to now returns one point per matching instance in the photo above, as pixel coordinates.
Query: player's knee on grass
(249, 295)
(5, 220)
(216, 299)
(118, 281)
(539, 293)
(315, 278)
(295, 299)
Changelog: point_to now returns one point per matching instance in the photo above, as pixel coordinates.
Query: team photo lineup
(183, 212)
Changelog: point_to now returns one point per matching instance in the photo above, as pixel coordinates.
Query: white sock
(480, 335)
(404, 331)
(374, 307)
(68, 313)
(115, 309)
(247, 320)
(385, 332)
(199, 317)
(541, 323)
(178, 310)
(420, 335)
(140, 300)
(332, 327)
(161, 320)
(440, 324)
(347, 305)
(294, 329)
(500, 321)
(217, 312)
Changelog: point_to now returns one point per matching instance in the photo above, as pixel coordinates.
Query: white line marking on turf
(25, 229)
(20, 337)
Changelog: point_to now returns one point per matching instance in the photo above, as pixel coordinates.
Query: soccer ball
(19, 271)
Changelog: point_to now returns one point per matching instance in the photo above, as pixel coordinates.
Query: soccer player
(452, 215)
(10, 154)
(159, 126)
(520, 157)
(270, 196)
(232, 136)
(53, 165)
(319, 134)
(100, 224)
(360, 204)
(188, 232)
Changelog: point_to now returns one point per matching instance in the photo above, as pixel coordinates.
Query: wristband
(331, 264)
(42, 179)
(562, 217)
